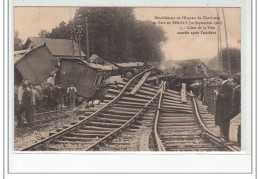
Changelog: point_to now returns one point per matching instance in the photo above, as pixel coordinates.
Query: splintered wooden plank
(152, 78)
(183, 93)
(140, 83)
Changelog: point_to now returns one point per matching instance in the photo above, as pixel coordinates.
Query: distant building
(59, 48)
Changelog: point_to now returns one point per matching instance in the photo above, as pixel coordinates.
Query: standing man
(59, 96)
(224, 101)
(51, 103)
(72, 94)
(39, 102)
(25, 103)
(201, 90)
(205, 91)
(35, 98)
(236, 105)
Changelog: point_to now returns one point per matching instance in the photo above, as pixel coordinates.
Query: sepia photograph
(127, 79)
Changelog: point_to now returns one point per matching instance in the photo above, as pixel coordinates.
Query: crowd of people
(228, 99)
(31, 98)
(228, 103)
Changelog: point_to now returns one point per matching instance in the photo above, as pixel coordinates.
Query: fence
(210, 97)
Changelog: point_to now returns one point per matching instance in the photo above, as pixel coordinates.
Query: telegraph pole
(71, 33)
(219, 43)
(78, 36)
(79, 48)
(72, 43)
(87, 41)
(229, 63)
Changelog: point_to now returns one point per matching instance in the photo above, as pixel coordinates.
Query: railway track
(179, 127)
(96, 128)
(151, 119)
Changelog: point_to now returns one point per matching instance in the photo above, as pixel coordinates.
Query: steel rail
(209, 134)
(108, 136)
(82, 122)
(159, 143)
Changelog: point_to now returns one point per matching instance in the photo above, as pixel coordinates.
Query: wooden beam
(152, 78)
(183, 93)
(140, 83)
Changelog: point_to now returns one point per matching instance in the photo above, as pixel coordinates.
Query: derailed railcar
(129, 69)
(36, 65)
(85, 76)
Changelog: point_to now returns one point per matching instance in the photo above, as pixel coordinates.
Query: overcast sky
(29, 21)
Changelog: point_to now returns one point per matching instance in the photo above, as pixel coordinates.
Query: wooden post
(183, 93)
(229, 63)
(87, 40)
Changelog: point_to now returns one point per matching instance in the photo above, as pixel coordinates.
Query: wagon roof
(101, 67)
(58, 47)
(18, 52)
(92, 65)
(18, 55)
(130, 64)
(101, 61)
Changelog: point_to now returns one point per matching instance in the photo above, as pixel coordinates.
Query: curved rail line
(193, 138)
(208, 133)
(123, 126)
(78, 125)
(159, 143)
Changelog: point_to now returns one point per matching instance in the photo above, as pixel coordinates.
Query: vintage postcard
(118, 81)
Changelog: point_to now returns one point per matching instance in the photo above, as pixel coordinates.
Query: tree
(61, 32)
(114, 34)
(44, 34)
(235, 61)
(17, 41)
(148, 38)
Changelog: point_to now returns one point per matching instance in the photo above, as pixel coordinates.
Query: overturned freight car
(129, 69)
(85, 76)
(36, 64)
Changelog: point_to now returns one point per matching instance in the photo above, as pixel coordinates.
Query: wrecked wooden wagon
(36, 64)
(85, 76)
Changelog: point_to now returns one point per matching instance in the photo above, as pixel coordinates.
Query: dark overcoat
(236, 105)
(236, 109)
(223, 103)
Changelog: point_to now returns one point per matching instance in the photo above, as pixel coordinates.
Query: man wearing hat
(25, 103)
(72, 94)
(236, 104)
(224, 101)
(59, 96)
